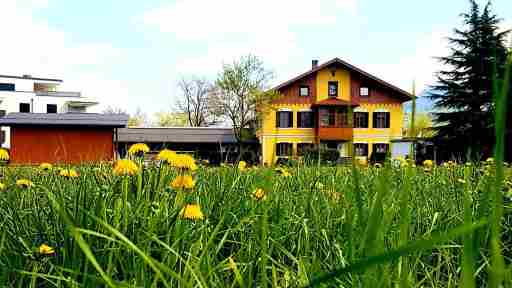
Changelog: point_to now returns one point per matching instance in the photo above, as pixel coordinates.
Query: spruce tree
(463, 95)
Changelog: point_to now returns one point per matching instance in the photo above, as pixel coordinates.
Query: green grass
(376, 227)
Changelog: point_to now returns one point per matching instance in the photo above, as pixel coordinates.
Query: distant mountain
(423, 104)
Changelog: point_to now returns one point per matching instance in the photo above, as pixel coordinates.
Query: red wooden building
(70, 138)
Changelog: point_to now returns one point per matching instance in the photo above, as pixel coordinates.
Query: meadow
(172, 225)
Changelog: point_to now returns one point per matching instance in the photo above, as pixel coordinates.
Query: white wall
(10, 100)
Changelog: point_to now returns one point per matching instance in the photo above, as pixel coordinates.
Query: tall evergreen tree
(464, 91)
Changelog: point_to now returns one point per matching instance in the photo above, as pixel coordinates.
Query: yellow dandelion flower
(184, 161)
(259, 194)
(428, 163)
(242, 165)
(2, 186)
(4, 154)
(231, 263)
(46, 250)
(138, 148)
(283, 172)
(166, 155)
(125, 167)
(183, 182)
(68, 173)
(319, 185)
(427, 169)
(24, 183)
(192, 212)
(45, 166)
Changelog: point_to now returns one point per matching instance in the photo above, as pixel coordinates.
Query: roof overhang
(78, 103)
(65, 119)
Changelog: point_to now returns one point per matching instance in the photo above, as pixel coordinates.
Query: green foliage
(335, 226)
(464, 94)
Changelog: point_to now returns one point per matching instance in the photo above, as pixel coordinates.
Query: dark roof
(64, 119)
(404, 95)
(30, 78)
(335, 102)
(177, 135)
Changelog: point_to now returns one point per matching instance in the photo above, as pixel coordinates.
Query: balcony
(58, 94)
(334, 124)
(335, 133)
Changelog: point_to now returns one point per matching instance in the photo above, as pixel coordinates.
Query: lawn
(252, 227)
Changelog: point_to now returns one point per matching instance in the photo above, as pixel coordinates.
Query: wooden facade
(70, 145)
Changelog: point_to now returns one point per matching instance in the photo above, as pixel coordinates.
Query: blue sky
(130, 54)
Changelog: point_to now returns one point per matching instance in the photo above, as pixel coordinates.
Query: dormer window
(333, 89)
(364, 91)
(304, 91)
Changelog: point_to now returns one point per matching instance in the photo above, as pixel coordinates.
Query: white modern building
(27, 94)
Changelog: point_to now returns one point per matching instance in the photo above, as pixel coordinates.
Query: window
(380, 148)
(283, 149)
(303, 148)
(2, 136)
(327, 117)
(333, 89)
(284, 119)
(304, 90)
(6, 87)
(2, 113)
(380, 119)
(305, 119)
(361, 149)
(360, 119)
(24, 107)
(343, 119)
(51, 108)
(364, 91)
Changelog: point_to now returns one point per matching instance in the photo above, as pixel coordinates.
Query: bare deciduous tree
(195, 92)
(242, 93)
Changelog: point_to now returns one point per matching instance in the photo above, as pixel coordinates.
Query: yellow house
(336, 105)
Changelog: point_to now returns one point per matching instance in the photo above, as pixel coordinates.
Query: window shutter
(374, 119)
(387, 120)
(290, 119)
(277, 120)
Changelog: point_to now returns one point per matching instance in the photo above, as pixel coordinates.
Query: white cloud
(419, 66)
(228, 29)
(33, 47)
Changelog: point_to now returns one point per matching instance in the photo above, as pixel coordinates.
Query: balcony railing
(58, 94)
(335, 133)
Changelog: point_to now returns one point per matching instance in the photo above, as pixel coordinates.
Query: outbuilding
(71, 138)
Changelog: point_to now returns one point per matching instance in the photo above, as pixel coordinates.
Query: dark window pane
(361, 149)
(51, 108)
(284, 119)
(302, 148)
(305, 119)
(2, 113)
(381, 119)
(380, 148)
(7, 87)
(360, 119)
(283, 149)
(24, 107)
(333, 89)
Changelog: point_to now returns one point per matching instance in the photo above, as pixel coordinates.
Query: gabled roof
(402, 93)
(64, 119)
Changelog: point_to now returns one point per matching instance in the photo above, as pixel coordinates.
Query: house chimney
(314, 64)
